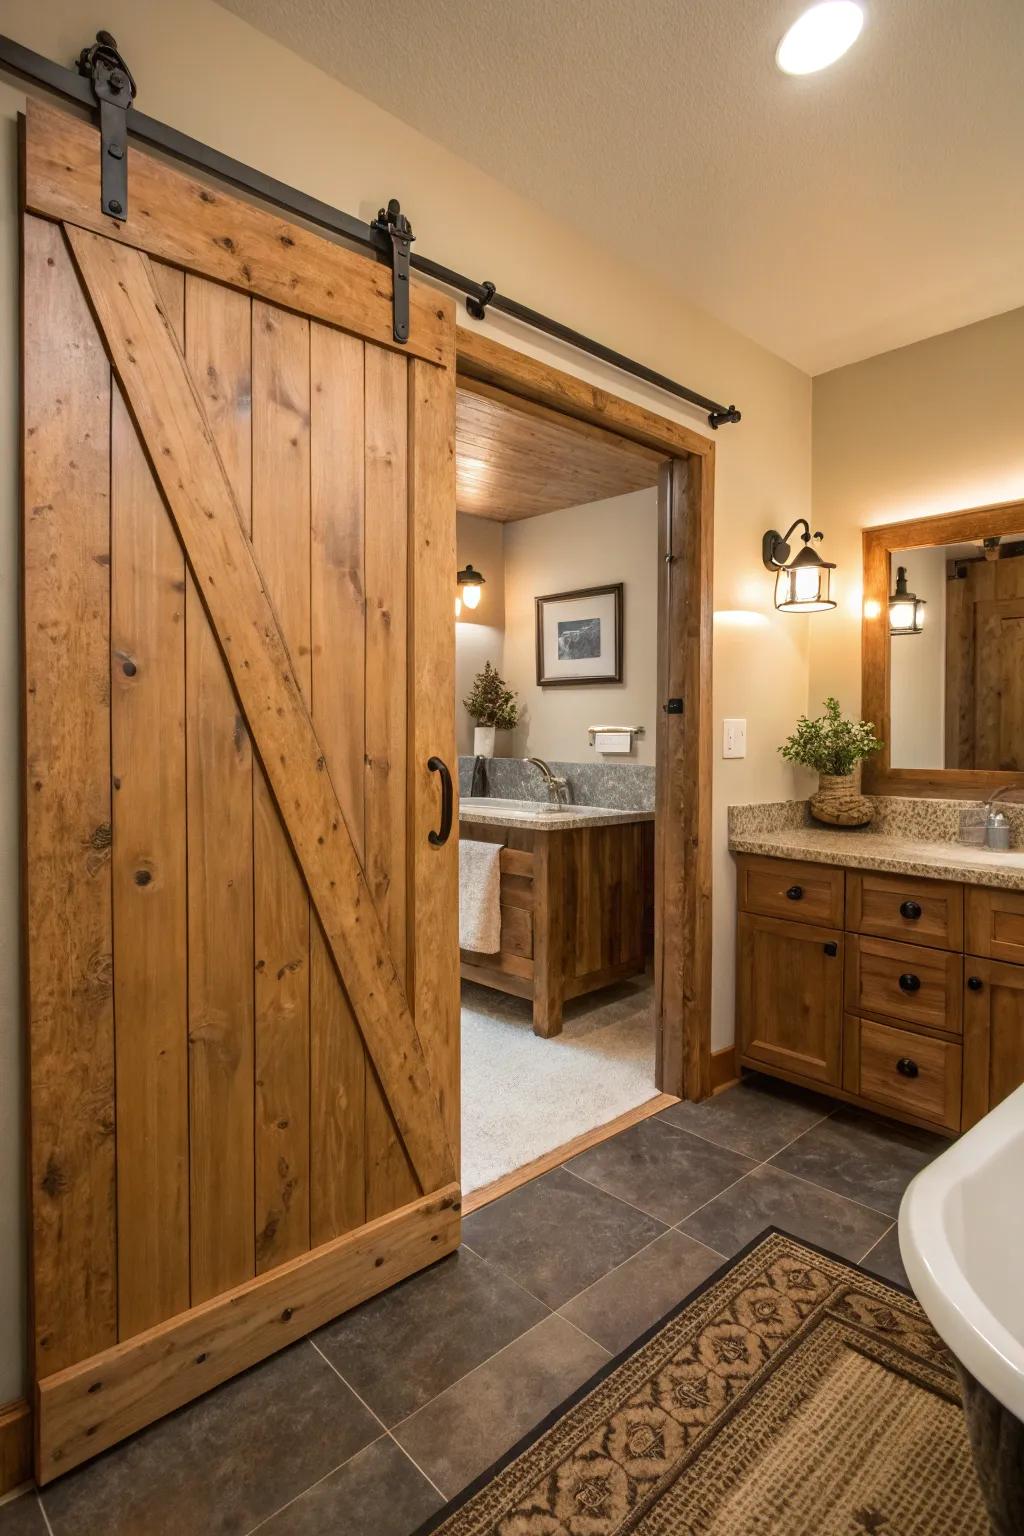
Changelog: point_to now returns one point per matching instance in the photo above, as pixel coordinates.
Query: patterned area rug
(795, 1395)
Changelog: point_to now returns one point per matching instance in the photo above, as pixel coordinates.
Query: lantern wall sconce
(801, 583)
(906, 609)
(469, 585)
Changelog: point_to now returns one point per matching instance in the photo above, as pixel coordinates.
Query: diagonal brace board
(175, 433)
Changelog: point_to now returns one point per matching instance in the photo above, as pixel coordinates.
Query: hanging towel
(479, 896)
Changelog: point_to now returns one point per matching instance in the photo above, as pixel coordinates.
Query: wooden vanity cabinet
(910, 1001)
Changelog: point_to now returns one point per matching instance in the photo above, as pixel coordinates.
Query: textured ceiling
(830, 217)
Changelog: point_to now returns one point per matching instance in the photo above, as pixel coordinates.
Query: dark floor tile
(757, 1116)
(403, 1348)
(22, 1517)
(885, 1259)
(558, 1234)
(224, 1462)
(861, 1156)
(620, 1307)
(770, 1198)
(664, 1171)
(378, 1493)
(463, 1431)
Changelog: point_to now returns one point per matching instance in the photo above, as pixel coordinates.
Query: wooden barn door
(242, 944)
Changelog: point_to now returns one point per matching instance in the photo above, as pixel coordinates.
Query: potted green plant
(492, 705)
(834, 747)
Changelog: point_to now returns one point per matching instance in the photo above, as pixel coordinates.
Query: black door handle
(909, 982)
(907, 1067)
(975, 983)
(911, 909)
(795, 893)
(440, 837)
(831, 948)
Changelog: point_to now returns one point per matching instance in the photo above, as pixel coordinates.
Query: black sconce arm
(775, 547)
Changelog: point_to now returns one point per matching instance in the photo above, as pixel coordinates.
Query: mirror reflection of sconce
(801, 584)
(906, 609)
(469, 583)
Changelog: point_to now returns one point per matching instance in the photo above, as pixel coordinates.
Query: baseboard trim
(15, 1445)
(724, 1069)
(558, 1155)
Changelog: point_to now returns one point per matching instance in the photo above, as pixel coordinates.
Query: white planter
(483, 740)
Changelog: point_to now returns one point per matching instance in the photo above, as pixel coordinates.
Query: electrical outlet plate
(734, 738)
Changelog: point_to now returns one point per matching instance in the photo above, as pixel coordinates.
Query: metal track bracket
(114, 90)
(393, 222)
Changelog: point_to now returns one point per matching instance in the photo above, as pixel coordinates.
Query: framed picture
(579, 637)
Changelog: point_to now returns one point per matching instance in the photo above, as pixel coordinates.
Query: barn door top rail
(379, 237)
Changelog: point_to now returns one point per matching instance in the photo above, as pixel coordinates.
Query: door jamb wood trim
(685, 1027)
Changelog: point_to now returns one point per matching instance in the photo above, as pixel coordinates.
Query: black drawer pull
(909, 982)
(911, 909)
(907, 1067)
(831, 948)
(975, 983)
(795, 893)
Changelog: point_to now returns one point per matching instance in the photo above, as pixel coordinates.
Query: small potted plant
(835, 748)
(492, 705)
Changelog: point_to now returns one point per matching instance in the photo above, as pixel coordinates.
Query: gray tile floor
(368, 1426)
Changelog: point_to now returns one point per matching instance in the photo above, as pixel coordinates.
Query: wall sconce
(470, 582)
(802, 585)
(906, 609)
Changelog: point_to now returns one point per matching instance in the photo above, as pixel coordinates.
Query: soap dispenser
(997, 830)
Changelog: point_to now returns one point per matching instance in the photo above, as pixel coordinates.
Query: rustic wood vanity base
(903, 995)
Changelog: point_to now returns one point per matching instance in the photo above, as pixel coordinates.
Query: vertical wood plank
(66, 393)
(147, 697)
(434, 872)
(337, 615)
(220, 839)
(390, 1181)
(280, 536)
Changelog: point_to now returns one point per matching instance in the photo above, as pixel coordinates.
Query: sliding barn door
(242, 944)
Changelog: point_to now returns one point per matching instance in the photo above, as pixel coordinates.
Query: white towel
(479, 896)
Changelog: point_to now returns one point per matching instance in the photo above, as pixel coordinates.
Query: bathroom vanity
(886, 970)
(576, 900)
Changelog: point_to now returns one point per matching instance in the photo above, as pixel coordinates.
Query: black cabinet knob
(911, 909)
(909, 982)
(907, 1067)
(975, 983)
(831, 948)
(795, 893)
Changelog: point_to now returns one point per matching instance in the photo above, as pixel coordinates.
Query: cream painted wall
(918, 668)
(588, 546)
(480, 632)
(206, 72)
(931, 428)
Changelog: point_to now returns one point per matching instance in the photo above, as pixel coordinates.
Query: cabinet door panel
(993, 1035)
(790, 996)
(995, 924)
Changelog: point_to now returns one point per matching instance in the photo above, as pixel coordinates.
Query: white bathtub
(962, 1241)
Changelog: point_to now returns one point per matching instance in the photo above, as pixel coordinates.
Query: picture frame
(580, 637)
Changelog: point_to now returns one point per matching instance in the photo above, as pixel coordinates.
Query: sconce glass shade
(802, 585)
(470, 583)
(906, 609)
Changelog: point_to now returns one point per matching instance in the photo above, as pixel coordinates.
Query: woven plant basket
(839, 802)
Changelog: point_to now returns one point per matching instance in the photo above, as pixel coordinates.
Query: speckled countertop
(569, 816)
(784, 834)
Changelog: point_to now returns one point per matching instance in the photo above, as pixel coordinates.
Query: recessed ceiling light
(819, 37)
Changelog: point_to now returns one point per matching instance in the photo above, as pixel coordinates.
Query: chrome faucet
(558, 789)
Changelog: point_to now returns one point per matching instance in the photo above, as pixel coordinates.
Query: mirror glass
(956, 664)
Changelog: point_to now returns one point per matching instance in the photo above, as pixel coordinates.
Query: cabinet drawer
(915, 911)
(906, 982)
(898, 1069)
(995, 924)
(786, 888)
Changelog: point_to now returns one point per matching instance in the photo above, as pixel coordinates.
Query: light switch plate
(734, 738)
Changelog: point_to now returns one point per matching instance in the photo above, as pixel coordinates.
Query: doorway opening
(581, 611)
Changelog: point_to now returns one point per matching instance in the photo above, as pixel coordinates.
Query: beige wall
(206, 72)
(480, 632)
(931, 428)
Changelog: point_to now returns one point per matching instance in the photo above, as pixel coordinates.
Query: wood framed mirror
(946, 694)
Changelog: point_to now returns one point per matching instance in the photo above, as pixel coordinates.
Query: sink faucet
(558, 789)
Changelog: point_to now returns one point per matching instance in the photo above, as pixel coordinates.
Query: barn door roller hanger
(103, 79)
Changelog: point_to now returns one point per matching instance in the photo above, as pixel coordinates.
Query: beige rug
(794, 1396)
(523, 1096)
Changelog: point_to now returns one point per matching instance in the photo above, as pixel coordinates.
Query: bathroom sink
(962, 1241)
(531, 810)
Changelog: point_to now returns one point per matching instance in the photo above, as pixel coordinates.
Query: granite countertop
(857, 849)
(540, 820)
